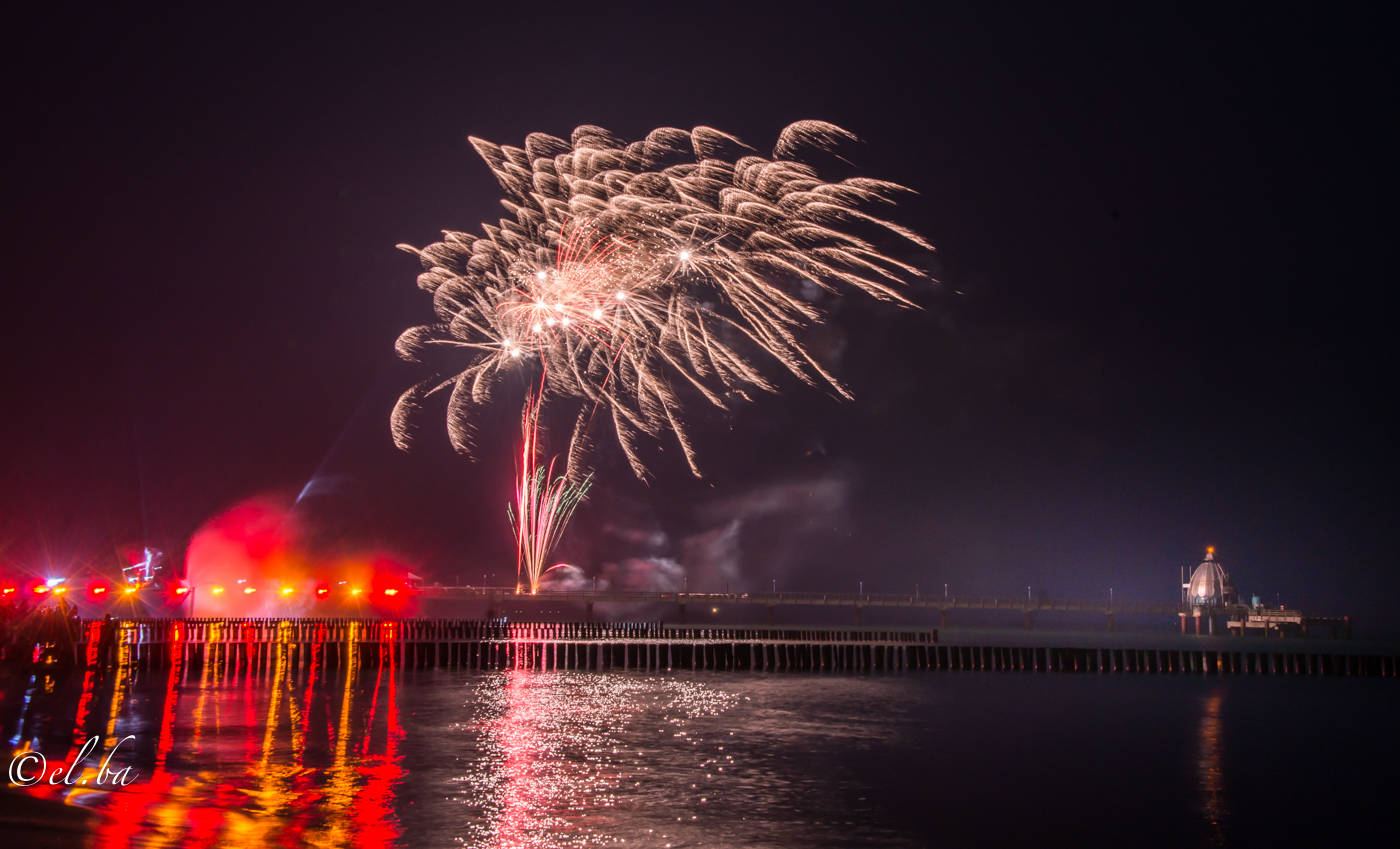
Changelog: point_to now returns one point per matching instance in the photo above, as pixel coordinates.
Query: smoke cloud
(763, 534)
(253, 560)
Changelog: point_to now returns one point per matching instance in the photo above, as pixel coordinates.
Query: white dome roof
(1210, 583)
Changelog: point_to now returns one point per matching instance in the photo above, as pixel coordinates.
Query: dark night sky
(1163, 317)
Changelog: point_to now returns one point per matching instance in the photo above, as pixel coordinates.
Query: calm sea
(444, 758)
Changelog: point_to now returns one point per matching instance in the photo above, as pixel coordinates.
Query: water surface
(450, 758)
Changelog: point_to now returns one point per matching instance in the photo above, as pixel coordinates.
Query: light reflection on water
(1213, 806)
(230, 756)
(553, 749)
(376, 756)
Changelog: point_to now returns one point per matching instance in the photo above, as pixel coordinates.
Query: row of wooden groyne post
(650, 646)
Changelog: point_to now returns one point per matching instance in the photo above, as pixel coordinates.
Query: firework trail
(631, 270)
(543, 503)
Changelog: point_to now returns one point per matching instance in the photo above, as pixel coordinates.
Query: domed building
(1210, 584)
(1208, 592)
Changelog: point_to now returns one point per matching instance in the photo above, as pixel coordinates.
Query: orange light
(249, 590)
(60, 589)
(40, 590)
(321, 591)
(354, 592)
(217, 590)
(130, 590)
(9, 590)
(391, 592)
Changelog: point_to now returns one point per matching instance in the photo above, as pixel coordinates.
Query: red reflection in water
(84, 703)
(204, 824)
(128, 816)
(313, 664)
(44, 789)
(373, 707)
(94, 639)
(252, 742)
(172, 692)
(284, 795)
(517, 731)
(375, 823)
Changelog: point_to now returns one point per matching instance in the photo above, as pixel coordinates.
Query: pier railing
(1237, 619)
(778, 599)
(257, 645)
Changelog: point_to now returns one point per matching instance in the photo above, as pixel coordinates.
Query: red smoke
(250, 561)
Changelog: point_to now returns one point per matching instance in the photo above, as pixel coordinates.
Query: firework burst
(631, 270)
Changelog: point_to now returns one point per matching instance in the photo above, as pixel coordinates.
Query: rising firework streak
(544, 503)
(630, 270)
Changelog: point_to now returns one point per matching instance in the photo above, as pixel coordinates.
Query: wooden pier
(1237, 619)
(259, 644)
